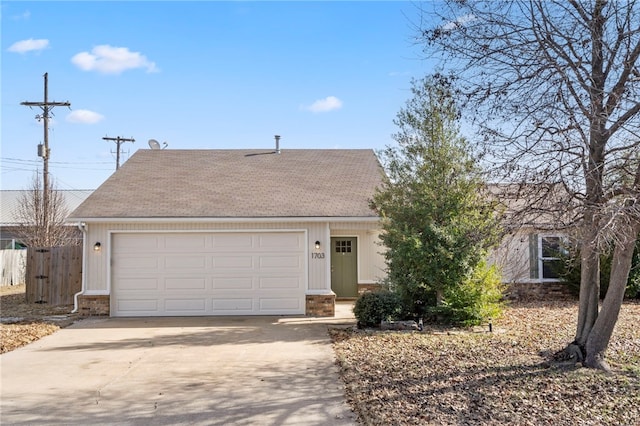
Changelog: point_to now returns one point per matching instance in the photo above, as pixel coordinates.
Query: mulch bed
(507, 377)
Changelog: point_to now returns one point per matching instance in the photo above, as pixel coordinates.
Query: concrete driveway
(205, 370)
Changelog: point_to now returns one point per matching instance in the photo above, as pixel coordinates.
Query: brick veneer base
(321, 305)
(538, 291)
(316, 305)
(366, 288)
(90, 305)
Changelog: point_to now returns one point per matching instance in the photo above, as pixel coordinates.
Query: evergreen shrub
(374, 307)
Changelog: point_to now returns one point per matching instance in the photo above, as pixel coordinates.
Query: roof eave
(315, 219)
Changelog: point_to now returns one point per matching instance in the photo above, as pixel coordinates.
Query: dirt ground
(22, 323)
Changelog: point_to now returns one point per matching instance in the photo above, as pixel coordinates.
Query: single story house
(527, 261)
(231, 232)
(10, 222)
(538, 228)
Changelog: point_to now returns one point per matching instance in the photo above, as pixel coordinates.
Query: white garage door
(169, 274)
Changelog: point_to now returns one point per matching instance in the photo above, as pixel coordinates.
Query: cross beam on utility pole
(119, 141)
(43, 151)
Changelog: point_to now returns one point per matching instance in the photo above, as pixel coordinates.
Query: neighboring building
(526, 259)
(231, 232)
(528, 255)
(9, 204)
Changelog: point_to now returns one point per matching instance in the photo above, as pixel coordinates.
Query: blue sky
(199, 75)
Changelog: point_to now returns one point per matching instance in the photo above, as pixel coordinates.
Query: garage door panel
(185, 284)
(185, 306)
(278, 304)
(185, 262)
(232, 262)
(232, 305)
(185, 242)
(136, 306)
(131, 243)
(136, 263)
(233, 283)
(284, 241)
(280, 282)
(227, 273)
(138, 284)
(232, 241)
(282, 261)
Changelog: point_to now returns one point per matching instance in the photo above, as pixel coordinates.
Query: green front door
(344, 266)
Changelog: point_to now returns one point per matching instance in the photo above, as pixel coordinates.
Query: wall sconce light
(97, 246)
(317, 245)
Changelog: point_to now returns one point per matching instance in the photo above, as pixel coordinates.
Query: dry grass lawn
(23, 323)
(473, 377)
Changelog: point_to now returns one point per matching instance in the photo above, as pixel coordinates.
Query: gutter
(83, 228)
(182, 219)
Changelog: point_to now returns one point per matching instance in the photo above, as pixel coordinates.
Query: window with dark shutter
(533, 256)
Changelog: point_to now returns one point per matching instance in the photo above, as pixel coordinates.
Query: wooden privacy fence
(14, 264)
(54, 274)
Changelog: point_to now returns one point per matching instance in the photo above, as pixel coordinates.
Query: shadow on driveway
(213, 370)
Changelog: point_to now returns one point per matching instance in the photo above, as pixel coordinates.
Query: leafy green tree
(437, 223)
(477, 299)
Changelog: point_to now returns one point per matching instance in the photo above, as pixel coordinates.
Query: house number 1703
(317, 255)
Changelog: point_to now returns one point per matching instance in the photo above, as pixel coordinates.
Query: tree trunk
(589, 286)
(600, 334)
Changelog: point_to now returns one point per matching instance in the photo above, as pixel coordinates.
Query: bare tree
(554, 89)
(42, 226)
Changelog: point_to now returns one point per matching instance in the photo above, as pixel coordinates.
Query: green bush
(569, 270)
(476, 300)
(372, 308)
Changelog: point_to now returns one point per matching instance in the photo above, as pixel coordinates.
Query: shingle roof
(238, 183)
(10, 200)
(542, 205)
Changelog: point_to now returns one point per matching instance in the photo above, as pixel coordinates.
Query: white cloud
(112, 60)
(30, 45)
(23, 16)
(327, 104)
(459, 22)
(84, 116)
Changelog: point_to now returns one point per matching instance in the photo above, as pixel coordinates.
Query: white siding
(319, 279)
(97, 273)
(512, 257)
(353, 226)
(371, 266)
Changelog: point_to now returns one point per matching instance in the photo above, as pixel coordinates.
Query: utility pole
(119, 142)
(43, 151)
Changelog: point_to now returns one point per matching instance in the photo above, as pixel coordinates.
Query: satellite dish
(153, 144)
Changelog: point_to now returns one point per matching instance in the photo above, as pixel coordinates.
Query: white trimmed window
(544, 256)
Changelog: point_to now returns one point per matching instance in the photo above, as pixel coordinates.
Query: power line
(118, 140)
(27, 162)
(43, 151)
(27, 165)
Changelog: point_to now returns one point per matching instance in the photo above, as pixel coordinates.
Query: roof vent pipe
(277, 144)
